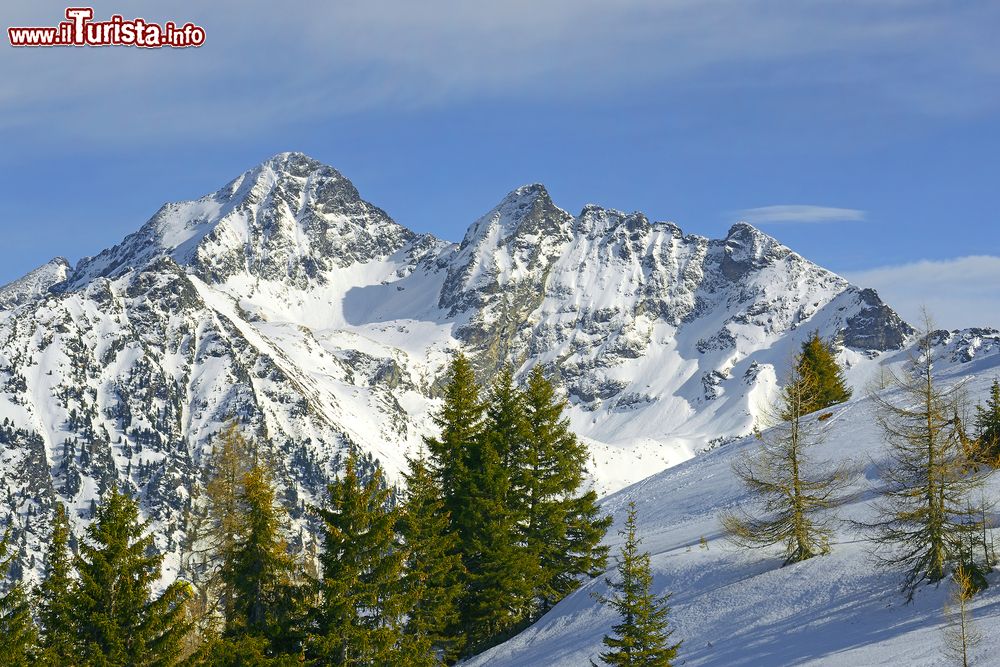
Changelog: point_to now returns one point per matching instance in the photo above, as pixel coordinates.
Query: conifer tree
(263, 612)
(926, 511)
(460, 423)
(642, 637)
(118, 621)
(219, 521)
(505, 563)
(817, 361)
(988, 427)
(506, 426)
(18, 635)
(364, 599)
(55, 613)
(499, 566)
(962, 636)
(433, 570)
(562, 527)
(793, 493)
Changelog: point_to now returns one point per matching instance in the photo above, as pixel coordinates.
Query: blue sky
(864, 134)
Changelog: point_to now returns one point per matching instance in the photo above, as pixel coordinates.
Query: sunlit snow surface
(736, 607)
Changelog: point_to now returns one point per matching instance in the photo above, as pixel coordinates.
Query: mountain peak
(290, 159)
(743, 229)
(522, 200)
(520, 211)
(35, 283)
(747, 248)
(529, 190)
(284, 170)
(289, 217)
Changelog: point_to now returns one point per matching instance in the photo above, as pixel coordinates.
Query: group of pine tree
(492, 530)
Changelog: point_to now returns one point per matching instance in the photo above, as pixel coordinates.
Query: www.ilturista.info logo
(79, 30)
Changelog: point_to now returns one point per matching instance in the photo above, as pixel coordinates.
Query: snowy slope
(733, 607)
(286, 300)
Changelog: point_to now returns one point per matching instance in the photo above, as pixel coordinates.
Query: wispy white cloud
(958, 293)
(800, 213)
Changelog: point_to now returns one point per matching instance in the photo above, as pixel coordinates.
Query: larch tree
(641, 638)
(817, 360)
(793, 494)
(216, 522)
(926, 510)
(365, 599)
(55, 612)
(962, 637)
(118, 621)
(18, 634)
(263, 610)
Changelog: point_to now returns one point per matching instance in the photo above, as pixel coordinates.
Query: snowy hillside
(733, 607)
(286, 300)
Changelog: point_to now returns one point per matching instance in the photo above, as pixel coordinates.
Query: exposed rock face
(286, 301)
(876, 326)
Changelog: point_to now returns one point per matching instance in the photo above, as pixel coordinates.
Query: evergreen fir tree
(584, 555)
(507, 428)
(642, 638)
(499, 565)
(364, 597)
(926, 511)
(562, 529)
(433, 570)
(55, 612)
(18, 635)
(460, 423)
(461, 428)
(509, 472)
(117, 620)
(817, 361)
(794, 494)
(988, 427)
(264, 608)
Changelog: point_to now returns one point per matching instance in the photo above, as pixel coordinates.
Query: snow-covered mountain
(731, 607)
(33, 285)
(287, 301)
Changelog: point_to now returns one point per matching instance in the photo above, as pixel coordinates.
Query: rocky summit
(288, 302)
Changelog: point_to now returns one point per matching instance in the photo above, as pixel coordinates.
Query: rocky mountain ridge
(288, 302)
